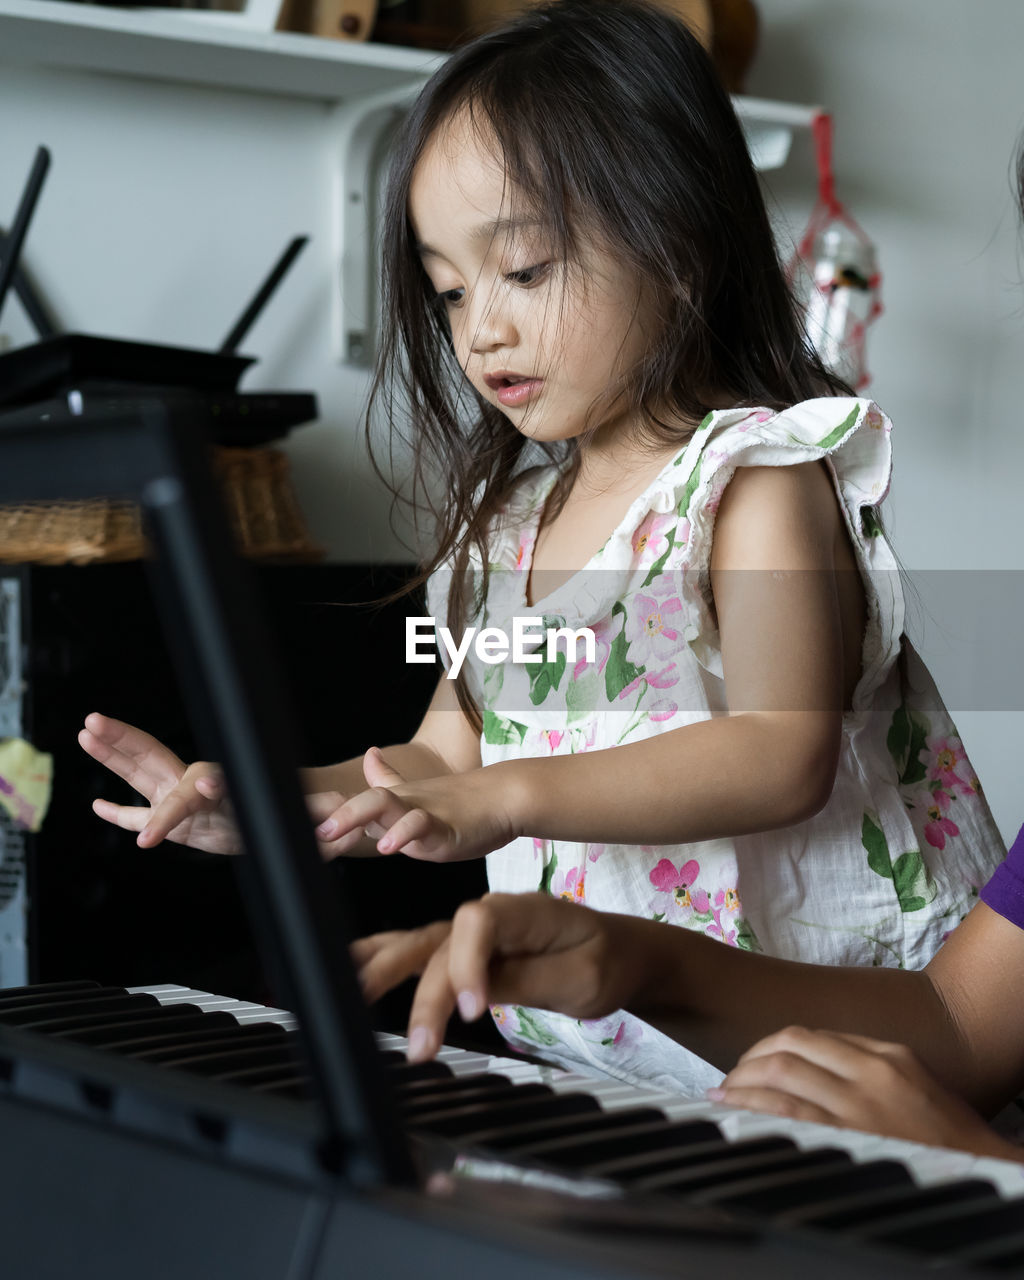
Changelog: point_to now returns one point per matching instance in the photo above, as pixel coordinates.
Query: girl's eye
(529, 275)
(449, 297)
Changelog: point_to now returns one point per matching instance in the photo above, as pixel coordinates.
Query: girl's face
(541, 339)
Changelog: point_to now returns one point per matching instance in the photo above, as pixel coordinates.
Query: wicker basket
(257, 490)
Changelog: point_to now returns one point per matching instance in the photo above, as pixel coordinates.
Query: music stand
(240, 712)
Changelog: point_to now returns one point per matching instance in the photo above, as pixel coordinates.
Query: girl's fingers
(322, 804)
(387, 959)
(415, 829)
(432, 1006)
(774, 1102)
(381, 814)
(842, 1054)
(501, 949)
(377, 771)
(375, 805)
(130, 753)
(789, 1073)
(122, 815)
(181, 802)
(471, 949)
(364, 949)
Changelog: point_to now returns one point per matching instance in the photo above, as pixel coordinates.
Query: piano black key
(271, 1074)
(725, 1167)
(238, 1057)
(776, 1192)
(1005, 1253)
(401, 1071)
(414, 1088)
(52, 1013)
(144, 1031)
(513, 1140)
(476, 1093)
(631, 1170)
(581, 1150)
(464, 1122)
(297, 1088)
(874, 1206)
(116, 1010)
(242, 1038)
(947, 1228)
(10, 995)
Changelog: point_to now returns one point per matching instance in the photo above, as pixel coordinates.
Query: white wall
(165, 206)
(928, 103)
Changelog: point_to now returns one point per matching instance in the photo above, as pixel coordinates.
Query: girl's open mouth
(512, 390)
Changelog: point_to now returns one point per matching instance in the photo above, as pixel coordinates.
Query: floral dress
(878, 877)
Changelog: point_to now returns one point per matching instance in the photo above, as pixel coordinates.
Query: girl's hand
(187, 804)
(855, 1083)
(446, 819)
(523, 948)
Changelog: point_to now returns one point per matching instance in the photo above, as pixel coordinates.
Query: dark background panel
(101, 907)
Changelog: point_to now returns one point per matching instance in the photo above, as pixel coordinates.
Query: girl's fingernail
(385, 844)
(714, 1095)
(469, 1006)
(327, 829)
(420, 1041)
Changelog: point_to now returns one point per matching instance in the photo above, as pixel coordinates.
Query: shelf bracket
(768, 128)
(364, 129)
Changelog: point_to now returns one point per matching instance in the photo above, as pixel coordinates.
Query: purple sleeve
(1005, 891)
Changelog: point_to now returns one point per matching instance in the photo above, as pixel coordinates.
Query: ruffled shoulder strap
(852, 436)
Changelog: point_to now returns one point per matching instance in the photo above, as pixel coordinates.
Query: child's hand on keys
(854, 1082)
(523, 948)
(451, 818)
(187, 804)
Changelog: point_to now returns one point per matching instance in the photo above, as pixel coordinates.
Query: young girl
(619, 426)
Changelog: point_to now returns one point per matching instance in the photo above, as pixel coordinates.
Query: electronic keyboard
(618, 1149)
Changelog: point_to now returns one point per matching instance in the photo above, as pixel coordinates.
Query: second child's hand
(445, 819)
(525, 948)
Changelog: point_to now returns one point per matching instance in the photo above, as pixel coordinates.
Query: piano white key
(245, 1011)
(1007, 1175)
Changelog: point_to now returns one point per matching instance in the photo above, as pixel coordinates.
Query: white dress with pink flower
(878, 877)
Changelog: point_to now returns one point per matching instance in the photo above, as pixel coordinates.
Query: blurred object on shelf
(258, 494)
(734, 33)
(835, 275)
(335, 19)
(727, 28)
(260, 15)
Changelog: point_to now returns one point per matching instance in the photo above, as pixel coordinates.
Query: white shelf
(368, 86)
(191, 48)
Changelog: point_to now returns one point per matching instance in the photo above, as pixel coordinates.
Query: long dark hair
(612, 123)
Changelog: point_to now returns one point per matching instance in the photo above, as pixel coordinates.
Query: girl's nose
(493, 328)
